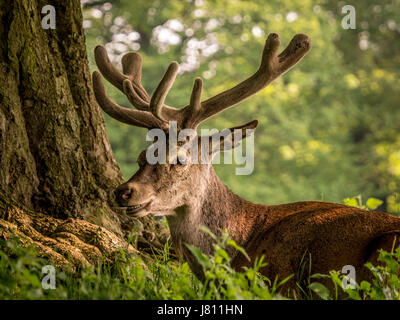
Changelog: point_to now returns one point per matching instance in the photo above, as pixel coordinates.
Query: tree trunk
(55, 158)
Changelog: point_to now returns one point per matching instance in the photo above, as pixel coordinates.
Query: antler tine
(132, 66)
(195, 98)
(107, 69)
(271, 67)
(294, 52)
(132, 94)
(191, 112)
(133, 117)
(159, 95)
(132, 73)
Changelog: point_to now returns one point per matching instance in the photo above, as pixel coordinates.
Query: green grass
(127, 278)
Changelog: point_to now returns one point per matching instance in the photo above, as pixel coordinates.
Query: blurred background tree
(328, 129)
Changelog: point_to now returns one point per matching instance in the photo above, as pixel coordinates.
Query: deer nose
(123, 194)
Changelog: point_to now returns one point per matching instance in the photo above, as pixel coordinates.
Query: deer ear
(229, 139)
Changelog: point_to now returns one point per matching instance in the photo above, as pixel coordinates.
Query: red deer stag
(191, 195)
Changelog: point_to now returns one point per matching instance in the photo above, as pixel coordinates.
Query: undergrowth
(128, 278)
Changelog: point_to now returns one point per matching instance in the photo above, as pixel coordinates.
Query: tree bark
(55, 158)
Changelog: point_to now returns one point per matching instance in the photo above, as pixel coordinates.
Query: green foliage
(129, 278)
(371, 204)
(385, 283)
(125, 278)
(223, 282)
(19, 270)
(319, 289)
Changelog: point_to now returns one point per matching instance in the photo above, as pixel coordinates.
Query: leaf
(238, 248)
(319, 276)
(281, 283)
(365, 286)
(353, 294)
(373, 203)
(209, 232)
(222, 253)
(335, 278)
(352, 202)
(320, 290)
(200, 256)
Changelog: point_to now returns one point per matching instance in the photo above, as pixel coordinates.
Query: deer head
(162, 188)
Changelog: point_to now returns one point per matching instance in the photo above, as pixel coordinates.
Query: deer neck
(216, 207)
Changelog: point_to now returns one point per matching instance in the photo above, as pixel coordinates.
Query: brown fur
(333, 234)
